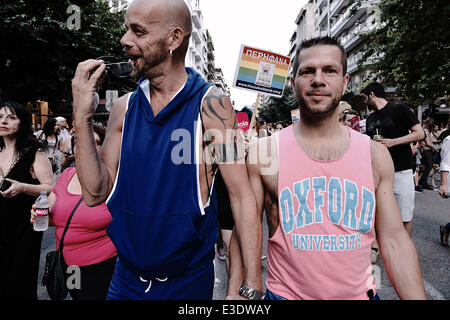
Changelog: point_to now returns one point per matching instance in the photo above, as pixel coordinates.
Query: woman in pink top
(86, 243)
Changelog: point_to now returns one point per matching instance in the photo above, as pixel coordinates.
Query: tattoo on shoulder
(210, 109)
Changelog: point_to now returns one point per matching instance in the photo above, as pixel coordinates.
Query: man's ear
(176, 37)
(346, 79)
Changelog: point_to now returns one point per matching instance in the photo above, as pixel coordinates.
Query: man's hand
(388, 143)
(14, 190)
(83, 87)
(443, 190)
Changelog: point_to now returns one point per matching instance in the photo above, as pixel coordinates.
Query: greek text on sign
(267, 56)
(261, 71)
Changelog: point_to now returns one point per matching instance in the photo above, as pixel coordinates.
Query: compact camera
(4, 185)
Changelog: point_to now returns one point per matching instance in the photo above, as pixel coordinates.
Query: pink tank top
(321, 248)
(86, 241)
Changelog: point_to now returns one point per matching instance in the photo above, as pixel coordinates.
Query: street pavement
(431, 211)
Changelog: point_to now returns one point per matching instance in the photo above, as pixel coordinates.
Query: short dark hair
(376, 88)
(319, 41)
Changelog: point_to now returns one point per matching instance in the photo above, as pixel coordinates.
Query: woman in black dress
(25, 171)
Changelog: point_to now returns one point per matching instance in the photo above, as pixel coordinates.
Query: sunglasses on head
(117, 69)
(350, 112)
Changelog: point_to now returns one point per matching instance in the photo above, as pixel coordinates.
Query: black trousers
(427, 161)
(95, 280)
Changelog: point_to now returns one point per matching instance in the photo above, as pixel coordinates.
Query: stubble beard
(372, 107)
(311, 115)
(151, 61)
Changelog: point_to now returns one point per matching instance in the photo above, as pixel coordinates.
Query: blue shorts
(126, 285)
(273, 296)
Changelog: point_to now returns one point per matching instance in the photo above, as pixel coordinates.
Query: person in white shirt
(63, 132)
(444, 190)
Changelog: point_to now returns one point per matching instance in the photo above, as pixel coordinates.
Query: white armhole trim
(145, 86)
(198, 140)
(120, 154)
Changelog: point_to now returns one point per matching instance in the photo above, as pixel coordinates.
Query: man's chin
(136, 74)
(318, 110)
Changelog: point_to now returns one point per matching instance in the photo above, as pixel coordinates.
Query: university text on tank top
(158, 226)
(321, 249)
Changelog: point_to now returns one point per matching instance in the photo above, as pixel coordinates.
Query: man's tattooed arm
(220, 123)
(217, 107)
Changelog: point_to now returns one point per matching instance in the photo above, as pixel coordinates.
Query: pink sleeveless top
(86, 241)
(321, 248)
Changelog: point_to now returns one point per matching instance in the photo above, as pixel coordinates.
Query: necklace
(16, 159)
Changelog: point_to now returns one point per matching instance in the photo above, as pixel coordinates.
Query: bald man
(152, 171)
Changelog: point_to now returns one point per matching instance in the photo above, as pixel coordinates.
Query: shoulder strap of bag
(61, 243)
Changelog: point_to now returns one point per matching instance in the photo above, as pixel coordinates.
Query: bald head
(170, 14)
(174, 13)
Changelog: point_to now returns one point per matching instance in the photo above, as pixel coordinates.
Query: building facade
(339, 19)
(200, 55)
(304, 28)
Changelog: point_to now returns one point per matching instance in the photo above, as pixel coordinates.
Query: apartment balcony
(196, 36)
(210, 45)
(197, 18)
(337, 6)
(323, 33)
(293, 37)
(345, 21)
(292, 50)
(322, 19)
(321, 3)
(352, 38)
(196, 54)
(352, 62)
(211, 56)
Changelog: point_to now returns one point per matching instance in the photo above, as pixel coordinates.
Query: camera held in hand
(4, 185)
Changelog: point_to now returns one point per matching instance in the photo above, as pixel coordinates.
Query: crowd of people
(153, 201)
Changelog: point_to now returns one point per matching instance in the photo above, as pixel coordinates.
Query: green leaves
(44, 52)
(279, 109)
(413, 47)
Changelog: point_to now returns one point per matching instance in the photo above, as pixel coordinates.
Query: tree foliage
(411, 48)
(279, 109)
(40, 52)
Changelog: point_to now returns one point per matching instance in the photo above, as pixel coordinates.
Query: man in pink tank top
(324, 189)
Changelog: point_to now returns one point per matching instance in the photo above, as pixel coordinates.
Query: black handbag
(54, 278)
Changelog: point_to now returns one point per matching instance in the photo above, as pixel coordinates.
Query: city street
(431, 211)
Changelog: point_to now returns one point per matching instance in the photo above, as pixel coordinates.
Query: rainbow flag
(261, 71)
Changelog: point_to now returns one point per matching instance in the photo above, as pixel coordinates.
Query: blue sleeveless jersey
(158, 225)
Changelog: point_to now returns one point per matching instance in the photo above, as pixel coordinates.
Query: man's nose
(318, 79)
(125, 40)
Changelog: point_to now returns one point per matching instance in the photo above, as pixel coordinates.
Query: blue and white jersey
(159, 225)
